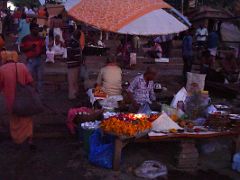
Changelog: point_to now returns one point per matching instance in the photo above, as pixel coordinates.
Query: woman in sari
(21, 128)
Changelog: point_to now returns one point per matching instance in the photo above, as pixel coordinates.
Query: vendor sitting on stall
(156, 51)
(141, 89)
(110, 78)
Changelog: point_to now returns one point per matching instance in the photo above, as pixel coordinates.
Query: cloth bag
(27, 102)
(198, 79)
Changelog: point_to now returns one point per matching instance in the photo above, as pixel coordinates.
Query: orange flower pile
(125, 128)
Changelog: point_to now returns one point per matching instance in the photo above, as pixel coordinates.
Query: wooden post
(117, 154)
(182, 6)
(101, 35)
(107, 36)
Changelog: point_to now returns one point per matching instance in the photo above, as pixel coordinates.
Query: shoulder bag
(27, 101)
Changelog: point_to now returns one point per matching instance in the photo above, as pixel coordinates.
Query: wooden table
(187, 143)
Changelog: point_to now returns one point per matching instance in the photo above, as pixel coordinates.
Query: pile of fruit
(125, 126)
(98, 92)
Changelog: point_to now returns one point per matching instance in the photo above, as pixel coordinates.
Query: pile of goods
(165, 124)
(218, 120)
(88, 116)
(127, 125)
(98, 92)
(91, 125)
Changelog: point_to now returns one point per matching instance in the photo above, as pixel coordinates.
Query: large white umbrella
(135, 17)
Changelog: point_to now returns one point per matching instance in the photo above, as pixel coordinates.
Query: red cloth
(71, 115)
(30, 40)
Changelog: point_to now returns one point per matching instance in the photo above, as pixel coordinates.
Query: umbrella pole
(107, 36)
(100, 35)
(182, 6)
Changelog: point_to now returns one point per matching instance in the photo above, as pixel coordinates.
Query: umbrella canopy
(136, 17)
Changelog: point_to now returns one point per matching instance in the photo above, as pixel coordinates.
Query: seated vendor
(141, 89)
(58, 47)
(110, 78)
(156, 51)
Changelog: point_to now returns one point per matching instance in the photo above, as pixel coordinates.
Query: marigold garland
(128, 127)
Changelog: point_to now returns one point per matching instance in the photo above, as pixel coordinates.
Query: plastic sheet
(151, 170)
(236, 162)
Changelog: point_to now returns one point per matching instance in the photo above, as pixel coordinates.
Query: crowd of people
(42, 43)
(24, 63)
(64, 39)
(206, 46)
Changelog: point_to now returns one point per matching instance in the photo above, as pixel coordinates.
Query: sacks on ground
(101, 150)
(194, 79)
(180, 96)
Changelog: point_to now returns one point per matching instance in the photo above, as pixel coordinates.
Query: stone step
(177, 44)
(176, 53)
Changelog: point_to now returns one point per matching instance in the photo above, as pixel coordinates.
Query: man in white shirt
(202, 34)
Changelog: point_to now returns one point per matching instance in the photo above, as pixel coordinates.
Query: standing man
(74, 61)
(213, 41)
(187, 53)
(202, 34)
(82, 43)
(34, 46)
(82, 38)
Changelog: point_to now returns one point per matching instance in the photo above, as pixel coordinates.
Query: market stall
(187, 158)
(190, 117)
(126, 128)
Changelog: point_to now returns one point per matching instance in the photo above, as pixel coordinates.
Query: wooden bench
(187, 157)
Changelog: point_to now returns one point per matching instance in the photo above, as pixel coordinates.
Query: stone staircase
(51, 124)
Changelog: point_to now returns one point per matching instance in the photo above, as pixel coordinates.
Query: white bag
(196, 78)
(133, 58)
(151, 170)
(180, 96)
(50, 56)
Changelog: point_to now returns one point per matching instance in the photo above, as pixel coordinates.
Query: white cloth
(203, 32)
